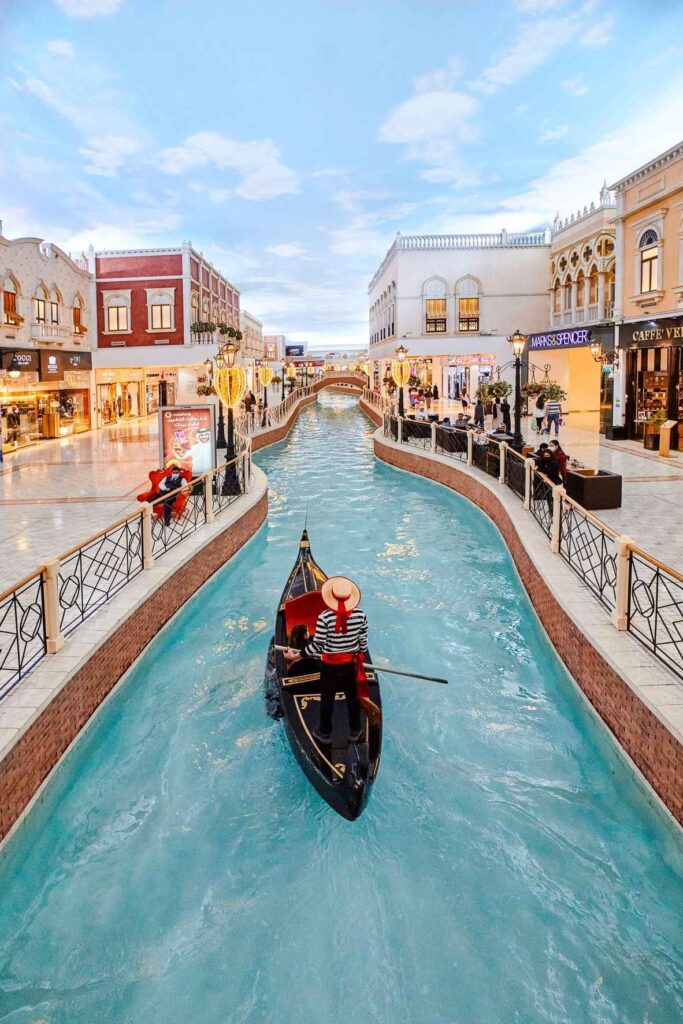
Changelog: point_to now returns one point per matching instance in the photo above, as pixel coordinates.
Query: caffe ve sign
(561, 339)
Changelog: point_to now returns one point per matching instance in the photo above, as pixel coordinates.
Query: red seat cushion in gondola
(304, 610)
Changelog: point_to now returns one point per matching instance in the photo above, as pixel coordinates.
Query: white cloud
(551, 134)
(88, 8)
(539, 6)
(600, 33)
(443, 78)
(107, 154)
(287, 250)
(127, 232)
(430, 115)
(574, 86)
(257, 163)
(537, 41)
(62, 47)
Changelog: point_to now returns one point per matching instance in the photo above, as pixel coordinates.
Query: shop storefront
(160, 388)
(565, 357)
(49, 398)
(466, 373)
(654, 371)
(120, 394)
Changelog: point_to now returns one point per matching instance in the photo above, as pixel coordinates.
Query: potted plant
(651, 429)
(500, 389)
(553, 392)
(532, 389)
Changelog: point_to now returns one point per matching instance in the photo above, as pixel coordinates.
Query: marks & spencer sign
(561, 339)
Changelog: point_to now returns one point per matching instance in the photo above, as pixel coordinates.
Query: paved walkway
(56, 494)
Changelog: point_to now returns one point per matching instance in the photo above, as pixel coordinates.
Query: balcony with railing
(435, 325)
(50, 332)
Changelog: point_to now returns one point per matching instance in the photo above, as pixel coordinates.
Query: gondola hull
(342, 772)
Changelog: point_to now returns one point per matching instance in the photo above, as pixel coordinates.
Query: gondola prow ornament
(341, 640)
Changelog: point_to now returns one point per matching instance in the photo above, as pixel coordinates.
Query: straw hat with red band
(341, 595)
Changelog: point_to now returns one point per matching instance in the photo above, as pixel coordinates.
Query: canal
(507, 870)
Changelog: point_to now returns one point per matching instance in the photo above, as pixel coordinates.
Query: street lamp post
(220, 429)
(517, 343)
(283, 365)
(229, 352)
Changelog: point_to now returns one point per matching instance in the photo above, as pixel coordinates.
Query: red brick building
(152, 308)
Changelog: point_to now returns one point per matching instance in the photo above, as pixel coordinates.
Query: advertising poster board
(186, 437)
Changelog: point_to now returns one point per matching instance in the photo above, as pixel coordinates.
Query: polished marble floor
(56, 494)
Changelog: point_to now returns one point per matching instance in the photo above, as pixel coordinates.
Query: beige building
(582, 276)
(649, 291)
(453, 300)
(46, 319)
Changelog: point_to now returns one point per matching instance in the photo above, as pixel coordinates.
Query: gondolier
(341, 640)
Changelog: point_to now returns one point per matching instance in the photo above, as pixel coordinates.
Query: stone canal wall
(652, 746)
(118, 636)
(273, 434)
(371, 412)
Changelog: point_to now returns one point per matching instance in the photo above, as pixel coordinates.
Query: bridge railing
(267, 416)
(641, 594)
(37, 614)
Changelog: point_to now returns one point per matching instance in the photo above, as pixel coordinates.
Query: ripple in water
(507, 870)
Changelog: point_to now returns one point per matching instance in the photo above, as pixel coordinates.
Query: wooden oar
(382, 668)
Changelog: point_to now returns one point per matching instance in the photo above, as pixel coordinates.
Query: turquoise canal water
(507, 870)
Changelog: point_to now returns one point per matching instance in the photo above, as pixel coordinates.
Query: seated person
(500, 429)
(298, 637)
(462, 421)
(169, 483)
(538, 454)
(446, 421)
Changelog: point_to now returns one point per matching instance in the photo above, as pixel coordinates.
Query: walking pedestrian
(428, 397)
(553, 414)
(505, 412)
(539, 413)
(465, 399)
(496, 417)
(479, 414)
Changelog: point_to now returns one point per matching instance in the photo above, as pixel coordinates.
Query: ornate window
(649, 261)
(160, 309)
(580, 289)
(195, 306)
(467, 290)
(10, 290)
(55, 300)
(40, 302)
(117, 312)
(593, 286)
(605, 247)
(435, 306)
(77, 315)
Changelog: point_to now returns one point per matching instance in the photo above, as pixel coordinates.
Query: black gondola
(342, 772)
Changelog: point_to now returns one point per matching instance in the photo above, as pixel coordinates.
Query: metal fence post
(433, 437)
(147, 554)
(556, 529)
(622, 559)
(528, 475)
(54, 638)
(502, 448)
(470, 448)
(399, 433)
(208, 498)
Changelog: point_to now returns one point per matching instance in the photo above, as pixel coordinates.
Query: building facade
(158, 317)
(251, 346)
(649, 293)
(581, 286)
(453, 300)
(45, 339)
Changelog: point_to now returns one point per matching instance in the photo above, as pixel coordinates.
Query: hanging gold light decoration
(265, 375)
(291, 372)
(400, 371)
(424, 375)
(230, 384)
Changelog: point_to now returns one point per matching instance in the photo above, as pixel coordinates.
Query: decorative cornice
(642, 172)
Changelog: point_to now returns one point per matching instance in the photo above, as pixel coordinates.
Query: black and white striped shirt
(326, 641)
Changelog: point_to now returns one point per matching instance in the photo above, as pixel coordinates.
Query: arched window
(435, 306)
(55, 301)
(649, 261)
(467, 290)
(611, 285)
(117, 311)
(567, 294)
(593, 286)
(557, 296)
(194, 302)
(77, 307)
(40, 301)
(580, 289)
(160, 309)
(10, 290)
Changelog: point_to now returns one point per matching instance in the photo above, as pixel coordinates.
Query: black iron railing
(515, 473)
(22, 631)
(486, 456)
(91, 574)
(542, 502)
(227, 485)
(169, 526)
(587, 547)
(655, 608)
(451, 442)
(417, 433)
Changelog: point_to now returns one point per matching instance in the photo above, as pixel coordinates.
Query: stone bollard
(556, 528)
(621, 586)
(502, 448)
(54, 638)
(529, 467)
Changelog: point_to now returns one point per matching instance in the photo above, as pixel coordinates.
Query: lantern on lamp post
(265, 376)
(400, 371)
(230, 384)
(517, 343)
